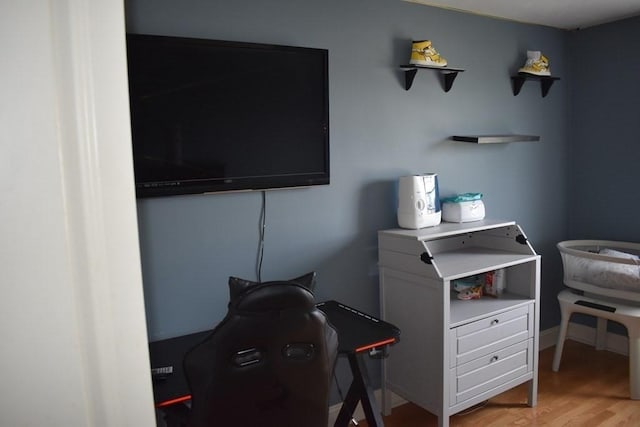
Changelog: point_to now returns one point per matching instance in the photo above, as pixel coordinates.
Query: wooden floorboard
(591, 389)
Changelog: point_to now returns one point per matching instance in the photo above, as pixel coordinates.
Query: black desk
(358, 335)
(173, 388)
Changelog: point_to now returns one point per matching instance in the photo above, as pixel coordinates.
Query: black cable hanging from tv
(261, 232)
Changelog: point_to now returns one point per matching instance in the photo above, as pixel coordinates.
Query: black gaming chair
(269, 363)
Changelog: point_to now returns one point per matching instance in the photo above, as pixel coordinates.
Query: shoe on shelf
(423, 53)
(536, 64)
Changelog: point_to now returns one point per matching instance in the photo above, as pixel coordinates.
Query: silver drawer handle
(493, 359)
(495, 322)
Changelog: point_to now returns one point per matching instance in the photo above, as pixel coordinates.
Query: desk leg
(360, 390)
(175, 415)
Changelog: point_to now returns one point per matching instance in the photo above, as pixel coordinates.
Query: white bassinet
(608, 274)
(602, 267)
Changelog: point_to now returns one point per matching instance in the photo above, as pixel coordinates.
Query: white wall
(72, 323)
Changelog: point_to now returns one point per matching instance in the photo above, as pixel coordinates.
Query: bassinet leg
(565, 312)
(634, 360)
(601, 334)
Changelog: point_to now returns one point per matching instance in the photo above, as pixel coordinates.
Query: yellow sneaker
(537, 64)
(423, 53)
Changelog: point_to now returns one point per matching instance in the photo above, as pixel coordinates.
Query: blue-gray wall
(604, 155)
(604, 159)
(379, 131)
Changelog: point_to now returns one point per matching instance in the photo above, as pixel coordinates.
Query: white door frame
(72, 314)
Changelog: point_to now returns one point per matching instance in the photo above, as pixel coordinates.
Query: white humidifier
(418, 201)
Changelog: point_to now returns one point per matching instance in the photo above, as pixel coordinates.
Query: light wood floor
(591, 389)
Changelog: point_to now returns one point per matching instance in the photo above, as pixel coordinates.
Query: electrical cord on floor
(262, 226)
(474, 408)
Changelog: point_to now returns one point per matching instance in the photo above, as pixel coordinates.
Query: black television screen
(211, 116)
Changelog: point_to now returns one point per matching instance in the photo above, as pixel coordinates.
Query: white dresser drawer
(488, 335)
(490, 371)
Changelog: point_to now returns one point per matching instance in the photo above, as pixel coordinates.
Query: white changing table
(453, 353)
(624, 313)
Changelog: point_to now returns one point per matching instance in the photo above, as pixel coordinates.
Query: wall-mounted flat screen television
(214, 116)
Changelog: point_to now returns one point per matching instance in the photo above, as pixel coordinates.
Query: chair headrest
(247, 295)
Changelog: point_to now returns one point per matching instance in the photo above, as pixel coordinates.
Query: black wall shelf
(495, 139)
(545, 82)
(449, 74)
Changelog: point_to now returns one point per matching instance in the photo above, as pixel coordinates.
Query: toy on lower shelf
(494, 282)
(469, 287)
(491, 283)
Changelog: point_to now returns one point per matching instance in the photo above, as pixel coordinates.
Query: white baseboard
(577, 332)
(587, 335)
(548, 338)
